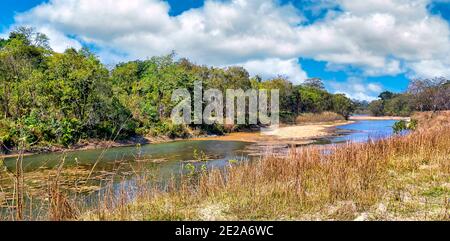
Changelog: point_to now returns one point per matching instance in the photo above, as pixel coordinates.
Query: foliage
(402, 125)
(422, 95)
(376, 108)
(343, 105)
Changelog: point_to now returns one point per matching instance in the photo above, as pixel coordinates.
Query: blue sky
(359, 49)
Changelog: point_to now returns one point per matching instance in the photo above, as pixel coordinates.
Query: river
(166, 160)
(170, 157)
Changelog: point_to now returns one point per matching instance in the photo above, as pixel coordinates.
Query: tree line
(421, 95)
(49, 98)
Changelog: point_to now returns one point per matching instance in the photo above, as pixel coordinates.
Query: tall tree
(316, 83)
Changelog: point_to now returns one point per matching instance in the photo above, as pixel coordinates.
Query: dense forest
(49, 98)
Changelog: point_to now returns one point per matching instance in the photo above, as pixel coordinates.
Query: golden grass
(399, 178)
(318, 117)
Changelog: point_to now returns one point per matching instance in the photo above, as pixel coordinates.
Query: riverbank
(280, 136)
(363, 117)
(94, 144)
(398, 178)
(284, 135)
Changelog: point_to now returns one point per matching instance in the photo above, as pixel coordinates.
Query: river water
(171, 157)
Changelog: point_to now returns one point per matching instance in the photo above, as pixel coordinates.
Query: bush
(214, 129)
(402, 125)
(68, 131)
(7, 140)
(170, 130)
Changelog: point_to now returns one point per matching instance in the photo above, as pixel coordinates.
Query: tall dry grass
(318, 117)
(402, 177)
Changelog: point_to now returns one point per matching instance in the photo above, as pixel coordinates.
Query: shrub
(68, 131)
(403, 125)
(170, 130)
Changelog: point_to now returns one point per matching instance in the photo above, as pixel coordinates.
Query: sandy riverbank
(358, 118)
(283, 135)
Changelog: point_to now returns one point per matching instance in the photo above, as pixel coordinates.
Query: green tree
(386, 95)
(376, 108)
(315, 100)
(343, 105)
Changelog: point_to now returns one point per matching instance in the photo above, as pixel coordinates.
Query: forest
(49, 98)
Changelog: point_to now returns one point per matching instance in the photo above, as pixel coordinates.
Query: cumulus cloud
(379, 37)
(355, 88)
(271, 68)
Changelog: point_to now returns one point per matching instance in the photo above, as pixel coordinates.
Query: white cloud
(430, 69)
(377, 35)
(355, 88)
(270, 68)
(380, 37)
(57, 40)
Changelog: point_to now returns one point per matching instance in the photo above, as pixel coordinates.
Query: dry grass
(319, 117)
(399, 178)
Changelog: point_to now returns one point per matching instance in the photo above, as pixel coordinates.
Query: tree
(286, 91)
(386, 95)
(31, 37)
(429, 94)
(398, 106)
(315, 100)
(125, 76)
(77, 83)
(2, 42)
(343, 105)
(21, 63)
(376, 108)
(316, 83)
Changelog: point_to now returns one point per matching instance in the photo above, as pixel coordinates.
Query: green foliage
(190, 168)
(315, 100)
(167, 128)
(413, 124)
(386, 95)
(377, 108)
(436, 192)
(403, 125)
(343, 105)
(400, 126)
